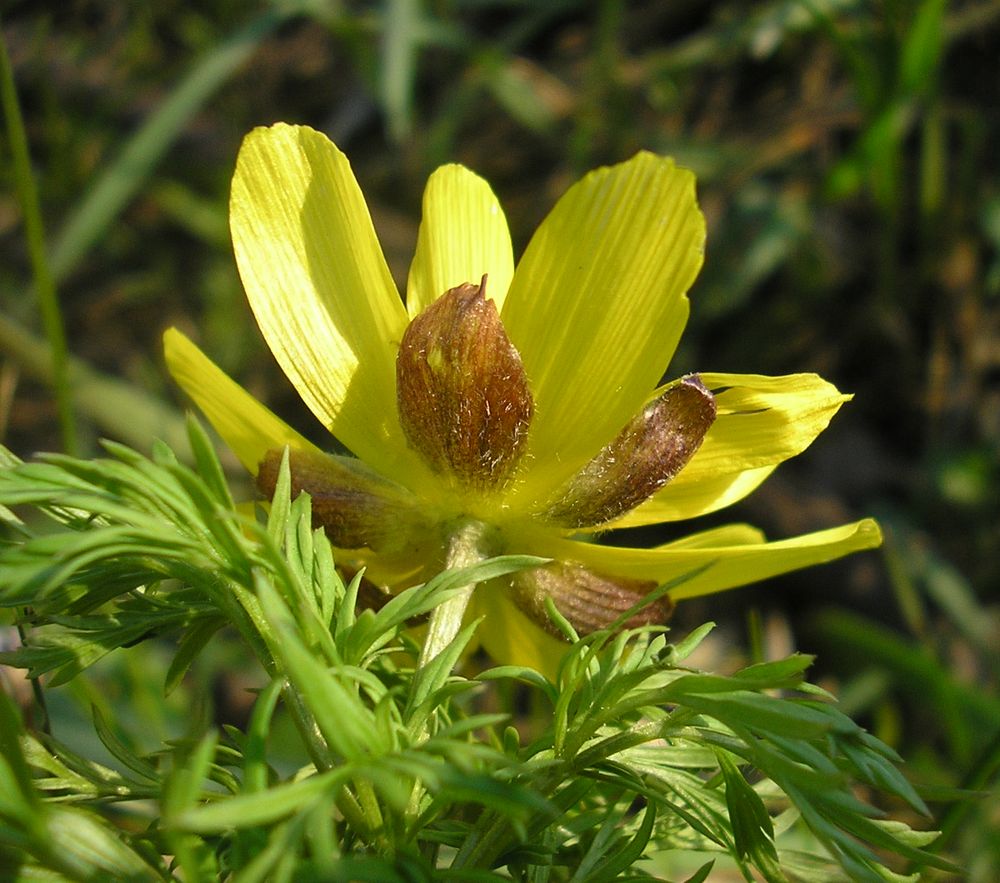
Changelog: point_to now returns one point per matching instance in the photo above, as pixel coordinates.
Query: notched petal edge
(462, 392)
(655, 446)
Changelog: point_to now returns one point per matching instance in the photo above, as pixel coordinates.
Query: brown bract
(589, 601)
(355, 505)
(462, 393)
(645, 455)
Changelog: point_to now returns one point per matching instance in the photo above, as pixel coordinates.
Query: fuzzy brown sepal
(589, 601)
(355, 505)
(655, 446)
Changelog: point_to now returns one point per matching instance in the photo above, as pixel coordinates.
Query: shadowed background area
(847, 166)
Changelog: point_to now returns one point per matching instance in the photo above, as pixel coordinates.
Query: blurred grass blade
(45, 288)
(922, 49)
(964, 713)
(117, 407)
(123, 177)
(532, 97)
(399, 51)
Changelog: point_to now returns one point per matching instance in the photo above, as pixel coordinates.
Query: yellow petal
(509, 636)
(727, 535)
(318, 284)
(727, 567)
(689, 499)
(249, 428)
(761, 422)
(598, 303)
(463, 235)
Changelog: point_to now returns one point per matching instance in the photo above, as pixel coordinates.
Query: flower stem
(465, 547)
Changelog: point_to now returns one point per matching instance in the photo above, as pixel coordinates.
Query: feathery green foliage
(400, 773)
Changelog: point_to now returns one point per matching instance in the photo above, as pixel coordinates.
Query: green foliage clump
(634, 763)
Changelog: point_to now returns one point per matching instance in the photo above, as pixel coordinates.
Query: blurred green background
(848, 166)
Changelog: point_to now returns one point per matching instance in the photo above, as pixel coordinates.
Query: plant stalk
(465, 547)
(45, 287)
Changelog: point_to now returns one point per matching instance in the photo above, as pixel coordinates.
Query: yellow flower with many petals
(504, 411)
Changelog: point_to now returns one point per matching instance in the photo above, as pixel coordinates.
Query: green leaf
(281, 502)
(623, 856)
(782, 673)
(701, 875)
(369, 632)
(207, 463)
(20, 798)
(86, 847)
(753, 831)
(430, 678)
(685, 647)
(194, 640)
(761, 713)
(347, 725)
(522, 674)
(186, 784)
(266, 807)
(347, 611)
(329, 587)
(876, 770)
(120, 751)
(255, 766)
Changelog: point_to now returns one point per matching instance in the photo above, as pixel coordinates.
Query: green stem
(360, 810)
(465, 547)
(48, 301)
(44, 724)
(374, 822)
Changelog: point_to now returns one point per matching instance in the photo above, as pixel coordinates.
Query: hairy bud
(589, 601)
(647, 453)
(462, 394)
(355, 505)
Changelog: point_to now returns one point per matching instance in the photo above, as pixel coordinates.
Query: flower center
(465, 406)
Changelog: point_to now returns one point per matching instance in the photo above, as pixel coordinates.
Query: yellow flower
(504, 411)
